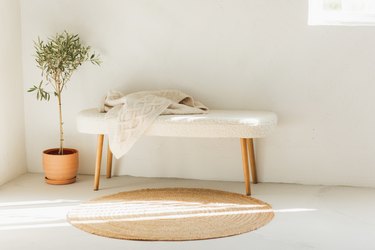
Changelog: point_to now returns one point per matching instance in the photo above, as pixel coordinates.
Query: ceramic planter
(60, 169)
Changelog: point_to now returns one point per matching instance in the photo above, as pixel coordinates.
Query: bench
(245, 125)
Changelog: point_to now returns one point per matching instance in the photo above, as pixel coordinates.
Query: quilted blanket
(131, 115)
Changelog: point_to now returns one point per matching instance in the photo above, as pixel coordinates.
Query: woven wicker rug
(171, 214)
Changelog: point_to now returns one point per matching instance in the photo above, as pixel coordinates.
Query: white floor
(32, 216)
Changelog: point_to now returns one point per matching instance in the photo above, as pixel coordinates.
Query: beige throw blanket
(131, 115)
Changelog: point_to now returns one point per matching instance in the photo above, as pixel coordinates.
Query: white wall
(12, 142)
(233, 54)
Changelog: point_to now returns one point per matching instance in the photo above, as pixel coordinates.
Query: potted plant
(58, 58)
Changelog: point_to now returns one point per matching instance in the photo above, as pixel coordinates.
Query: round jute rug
(171, 214)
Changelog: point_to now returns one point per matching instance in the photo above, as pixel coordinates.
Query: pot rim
(67, 151)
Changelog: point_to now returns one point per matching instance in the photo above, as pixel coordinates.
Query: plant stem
(61, 149)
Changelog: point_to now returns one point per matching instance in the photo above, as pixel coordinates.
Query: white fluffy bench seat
(245, 125)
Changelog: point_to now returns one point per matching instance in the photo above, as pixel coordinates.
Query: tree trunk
(61, 149)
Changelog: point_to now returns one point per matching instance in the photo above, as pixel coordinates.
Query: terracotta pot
(60, 169)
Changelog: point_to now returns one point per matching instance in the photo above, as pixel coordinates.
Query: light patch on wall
(342, 12)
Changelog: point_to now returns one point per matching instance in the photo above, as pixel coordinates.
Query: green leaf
(32, 89)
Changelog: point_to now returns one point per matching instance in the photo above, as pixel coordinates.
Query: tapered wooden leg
(245, 165)
(109, 162)
(99, 151)
(250, 148)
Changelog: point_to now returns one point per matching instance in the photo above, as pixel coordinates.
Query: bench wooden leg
(250, 147)
(109, 162)
(245, 164)
(99, 150)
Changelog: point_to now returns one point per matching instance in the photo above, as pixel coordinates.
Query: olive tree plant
(58, 58)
